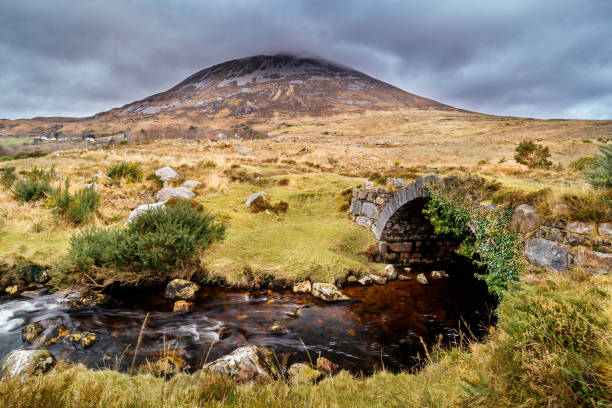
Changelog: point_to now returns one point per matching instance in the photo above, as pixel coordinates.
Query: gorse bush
(583, 163)
(156, 243)
(533, 155)
(31, 190)
(77, 208)
(599, 173)
(8, 177)
(131, 172)
(487, 238)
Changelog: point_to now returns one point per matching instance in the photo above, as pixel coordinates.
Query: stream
(382, 326)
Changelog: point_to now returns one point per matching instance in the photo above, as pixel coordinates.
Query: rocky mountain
(263, 86)
(250, 89)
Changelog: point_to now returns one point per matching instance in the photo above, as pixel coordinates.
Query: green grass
(312, 239)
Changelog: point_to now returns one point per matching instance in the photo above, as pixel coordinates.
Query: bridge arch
(396, 218)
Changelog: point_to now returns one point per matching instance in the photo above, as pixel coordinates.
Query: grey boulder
(167, 193)
(546, 253)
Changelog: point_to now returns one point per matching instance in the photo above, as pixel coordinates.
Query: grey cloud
(538, 59)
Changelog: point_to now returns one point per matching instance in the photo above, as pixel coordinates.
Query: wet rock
(278, 328)
(407, 270)
(83, 340)
(524, 219)
(546, 253)
(351, 279)
(32, 331)
(605, 230)
(439, 274)
(23, 363)
(167, 366)
(390, 272)
(327, 365)
(301, 373)
(328, 292)
(53, 331)
(166, 173)
(243, 364)
(182, 306)
(181, 289)
(422, 279)
(191, 183)
(599, 263)
(142, 209)
(377, 279)
(583, 228)
(253, 197)
(302, 287)
(403, 277)
(365, 281)
(95, 299)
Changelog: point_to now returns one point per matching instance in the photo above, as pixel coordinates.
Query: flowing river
(382, 326)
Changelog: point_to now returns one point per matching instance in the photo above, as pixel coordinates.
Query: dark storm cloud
(528, 58)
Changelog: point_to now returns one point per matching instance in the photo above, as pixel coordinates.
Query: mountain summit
(263, 86)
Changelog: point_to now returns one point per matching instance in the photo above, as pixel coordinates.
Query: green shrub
(583, 163)
(76, 208)
(27, 155)
(487, 238)
(131, 172)
(533, 155)
(31, 190)
(8, 177)
(600, 173)
(156, 243)
(155, 180)
(5, 158)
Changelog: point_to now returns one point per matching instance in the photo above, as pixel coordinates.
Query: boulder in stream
(302, 373)
(328, 292)
(22, 363)
(302, 287)
(244, 364)
(422, 279)
(377, 279)
(390, 272)
(439, 274)
(31, 332)
(82, 340)
(403, 277)
(182, 306)
(181, 289)
(365, 281)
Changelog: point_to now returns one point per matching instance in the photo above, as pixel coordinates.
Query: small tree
(600, 172)
(533, 155)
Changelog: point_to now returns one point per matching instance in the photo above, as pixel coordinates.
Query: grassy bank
(551, 348)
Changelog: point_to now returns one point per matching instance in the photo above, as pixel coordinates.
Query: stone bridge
(395, 216)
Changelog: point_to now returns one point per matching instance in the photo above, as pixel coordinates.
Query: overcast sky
(535, 58)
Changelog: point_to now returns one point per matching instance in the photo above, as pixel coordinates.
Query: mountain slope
(261, 86)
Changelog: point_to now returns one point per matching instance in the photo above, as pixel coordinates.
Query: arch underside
(408, 237)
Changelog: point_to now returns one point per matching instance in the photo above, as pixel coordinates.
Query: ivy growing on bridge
(486, 237)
